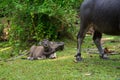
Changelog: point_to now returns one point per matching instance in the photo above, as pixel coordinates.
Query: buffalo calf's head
(45, 43)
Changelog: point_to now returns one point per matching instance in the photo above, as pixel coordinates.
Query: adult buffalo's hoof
(104, 56)
(78, 58)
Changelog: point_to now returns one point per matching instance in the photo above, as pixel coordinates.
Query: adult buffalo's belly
(111, 32)
(109, 29)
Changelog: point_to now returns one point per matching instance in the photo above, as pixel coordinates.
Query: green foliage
(6, 8)
(1, 29)
(35, 19)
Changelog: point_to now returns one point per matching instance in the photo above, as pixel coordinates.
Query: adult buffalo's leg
(97, 40)
(80, 37)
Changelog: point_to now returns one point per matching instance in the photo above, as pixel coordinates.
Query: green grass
(64, 67)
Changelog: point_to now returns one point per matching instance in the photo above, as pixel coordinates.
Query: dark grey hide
(105, 17)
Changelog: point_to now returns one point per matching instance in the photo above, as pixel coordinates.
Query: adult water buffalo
(105, 17)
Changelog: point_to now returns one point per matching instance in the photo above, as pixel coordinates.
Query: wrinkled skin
(105, 17)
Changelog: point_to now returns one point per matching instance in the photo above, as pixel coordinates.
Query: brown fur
(46, 49)
(36, 52)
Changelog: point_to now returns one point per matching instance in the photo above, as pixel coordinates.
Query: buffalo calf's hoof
(30, 58)
(53, 56)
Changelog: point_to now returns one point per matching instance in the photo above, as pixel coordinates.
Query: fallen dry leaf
(107, 51)
(88, 74)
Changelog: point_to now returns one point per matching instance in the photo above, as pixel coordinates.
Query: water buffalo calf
(41, 52)
(105, 17)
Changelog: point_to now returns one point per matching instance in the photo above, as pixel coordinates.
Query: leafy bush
(38, 19)
(34, 20)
